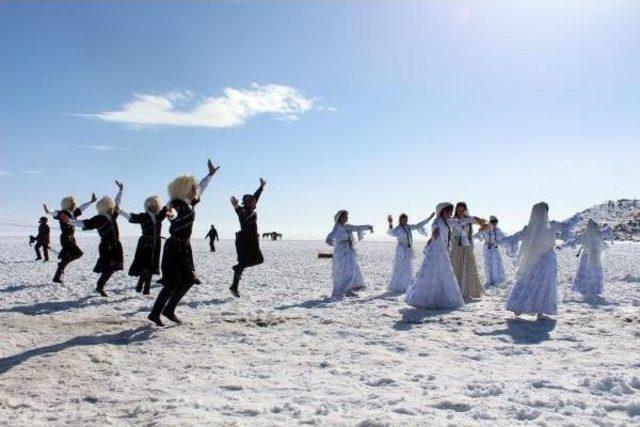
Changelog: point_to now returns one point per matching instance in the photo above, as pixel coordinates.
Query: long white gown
(402, 275)
(536, 287)
(589, 280)
(493, 266)
(435, 285)
(346, 273)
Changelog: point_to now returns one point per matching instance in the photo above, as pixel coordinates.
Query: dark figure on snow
(247, 239)
(212, 235)
(110, 256)
(70, 250)
(178, 271)
(42, 239)
(146, 261)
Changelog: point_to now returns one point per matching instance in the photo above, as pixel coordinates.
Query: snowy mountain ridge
(623, 216)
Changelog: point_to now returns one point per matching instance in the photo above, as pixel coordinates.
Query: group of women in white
(448, 276)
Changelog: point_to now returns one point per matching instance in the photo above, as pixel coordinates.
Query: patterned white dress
(346, 273)
(435, 285)
(402, 275)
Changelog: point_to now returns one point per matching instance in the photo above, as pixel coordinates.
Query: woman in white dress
(589, 280)
(493, 266)
(346, 274)
(536, 288)
(435, 285)
(402, 275)
(463, 259)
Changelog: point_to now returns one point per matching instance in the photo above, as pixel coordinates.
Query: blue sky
(378, 107)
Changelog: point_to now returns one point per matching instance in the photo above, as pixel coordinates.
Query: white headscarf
(442, 206)
(539, 238)
(592, 244)
(338, 214)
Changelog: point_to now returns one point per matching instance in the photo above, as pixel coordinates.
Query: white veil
(592, 244)
(539, 237)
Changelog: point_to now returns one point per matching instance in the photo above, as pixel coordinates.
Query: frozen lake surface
(285, 354)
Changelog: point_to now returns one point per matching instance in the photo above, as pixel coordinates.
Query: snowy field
(286, 355)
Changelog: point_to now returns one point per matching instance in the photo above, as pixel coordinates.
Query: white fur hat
(181, 186)
(106, 206)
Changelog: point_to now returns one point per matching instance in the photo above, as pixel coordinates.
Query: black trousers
(45, 250)
(168, 299)
(212, 245)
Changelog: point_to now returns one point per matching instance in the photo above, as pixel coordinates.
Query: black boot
(146, 289)
(139, 286)
(57, 278)
(155, 319)
(172, 317)
(236, 281)
(100, 290)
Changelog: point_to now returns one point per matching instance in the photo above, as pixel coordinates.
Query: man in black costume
(212, 235)
(42, 239)
(247, 239)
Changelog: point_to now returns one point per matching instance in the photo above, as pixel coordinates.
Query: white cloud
(6, 173)
(31, 172)
(100, 147)
(233, 108)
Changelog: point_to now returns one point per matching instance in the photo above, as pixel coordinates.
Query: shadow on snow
(525, 331)
(141, 333)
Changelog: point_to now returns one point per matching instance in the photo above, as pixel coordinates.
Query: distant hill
(623, 216)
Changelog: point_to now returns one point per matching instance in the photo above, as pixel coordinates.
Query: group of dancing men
(447, 278)
(177, 267)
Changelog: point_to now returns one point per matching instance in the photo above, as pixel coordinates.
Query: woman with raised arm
(146, 261)
(178, 271)
(463, 259)
(70, 250)
(492, 236)
(110, 256)
(402, 275)
(346, 274)
(435, 285)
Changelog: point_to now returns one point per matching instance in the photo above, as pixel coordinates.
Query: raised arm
(118, 198)
(260, 188)
(85, 205)
(47, 212)
(204, 182)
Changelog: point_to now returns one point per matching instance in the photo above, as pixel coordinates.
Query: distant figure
(212, 235)
(402, 275)
(493, 266)
(247, 239)
(70, 250)
(345, 270)
(589, 280)
(42, 239)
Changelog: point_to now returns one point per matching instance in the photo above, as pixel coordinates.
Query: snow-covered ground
(284, 354)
